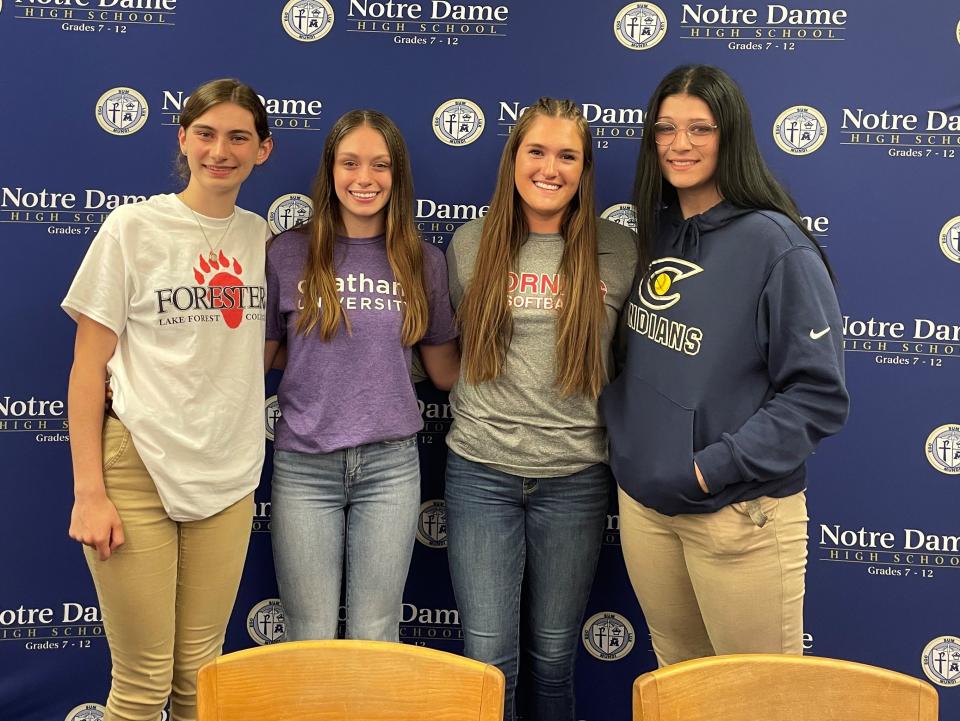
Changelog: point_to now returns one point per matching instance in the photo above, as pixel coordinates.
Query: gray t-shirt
(519, 423)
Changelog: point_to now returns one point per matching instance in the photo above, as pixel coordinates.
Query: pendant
(213, 256)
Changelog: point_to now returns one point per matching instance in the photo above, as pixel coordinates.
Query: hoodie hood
(681, 236)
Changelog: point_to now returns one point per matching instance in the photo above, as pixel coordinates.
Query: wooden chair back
(767, 687)
(348, 681)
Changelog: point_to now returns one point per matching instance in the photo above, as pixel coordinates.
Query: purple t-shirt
(355, 388)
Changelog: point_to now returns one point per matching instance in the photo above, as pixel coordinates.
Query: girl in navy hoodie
(733, 373)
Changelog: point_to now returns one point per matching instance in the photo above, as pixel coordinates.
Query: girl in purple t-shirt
(349, 294)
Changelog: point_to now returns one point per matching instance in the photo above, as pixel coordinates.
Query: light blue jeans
(522, 553)
(359, 505)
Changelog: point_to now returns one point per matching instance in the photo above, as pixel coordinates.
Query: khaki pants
(166, 594)
(719, 583)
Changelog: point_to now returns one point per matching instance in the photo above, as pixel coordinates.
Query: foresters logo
(282, 113)
(926, 134)
(436, 23)
(768, 28)
(640, 26)
(122, 111)
(219, 296)
(307, 20)
(800, 130)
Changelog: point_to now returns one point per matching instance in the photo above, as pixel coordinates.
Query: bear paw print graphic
(228, 299)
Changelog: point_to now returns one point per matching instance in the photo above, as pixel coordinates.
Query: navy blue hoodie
(734, 359)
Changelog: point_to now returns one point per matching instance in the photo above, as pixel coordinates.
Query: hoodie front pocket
(653, 443)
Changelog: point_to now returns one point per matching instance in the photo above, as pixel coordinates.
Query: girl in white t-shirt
(169, 304)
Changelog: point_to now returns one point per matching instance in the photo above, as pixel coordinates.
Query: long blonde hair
(321, 301)
(486, 319)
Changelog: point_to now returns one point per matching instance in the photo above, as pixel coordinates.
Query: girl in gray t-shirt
(538, 285)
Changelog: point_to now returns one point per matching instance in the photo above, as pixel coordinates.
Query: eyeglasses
(665, 133)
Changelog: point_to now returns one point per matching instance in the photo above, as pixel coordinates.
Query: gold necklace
(213, 253)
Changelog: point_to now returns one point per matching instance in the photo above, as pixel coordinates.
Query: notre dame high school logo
(608, 636)
(941, 661)
(266, 622)
(800, 130)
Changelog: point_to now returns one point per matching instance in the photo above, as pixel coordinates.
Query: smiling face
(362, 179)
(691, 169)
(548, 167)
(221, 147)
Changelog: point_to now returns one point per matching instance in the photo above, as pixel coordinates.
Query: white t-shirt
(187, 373)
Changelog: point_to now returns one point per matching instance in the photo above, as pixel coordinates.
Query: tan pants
(166, 594)
(719, 583)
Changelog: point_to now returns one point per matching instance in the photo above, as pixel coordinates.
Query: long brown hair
(320, 298)
(486, 319)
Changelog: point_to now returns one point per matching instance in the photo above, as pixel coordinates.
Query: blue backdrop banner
(856, 104)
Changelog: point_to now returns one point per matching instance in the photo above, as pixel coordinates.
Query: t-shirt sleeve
(102, 287)
(276, 328)
(453, 275)
(441, 327)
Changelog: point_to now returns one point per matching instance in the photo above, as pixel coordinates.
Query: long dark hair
(743, 178)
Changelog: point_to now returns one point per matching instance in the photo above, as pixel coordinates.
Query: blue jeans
(360, 504)
(542, 535)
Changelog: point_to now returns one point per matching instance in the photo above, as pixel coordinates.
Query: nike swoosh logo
(817, 334)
